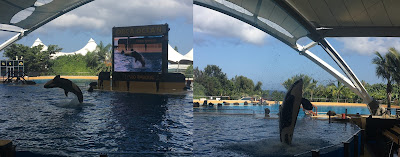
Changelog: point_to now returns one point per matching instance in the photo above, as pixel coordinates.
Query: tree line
(213, 82)
(38, 62)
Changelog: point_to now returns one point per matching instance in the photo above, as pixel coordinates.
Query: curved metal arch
(254, 21)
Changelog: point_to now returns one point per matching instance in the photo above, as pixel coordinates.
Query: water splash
(273, 147)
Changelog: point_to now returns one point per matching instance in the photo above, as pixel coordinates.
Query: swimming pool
(44, 121)
(244, 131)
(258, 110)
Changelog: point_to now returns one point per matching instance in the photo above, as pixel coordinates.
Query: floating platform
(171, 83)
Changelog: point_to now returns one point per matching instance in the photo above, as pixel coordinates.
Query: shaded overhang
(38, 12)
(290, 20)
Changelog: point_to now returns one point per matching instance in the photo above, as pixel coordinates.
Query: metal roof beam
(314, 35)
(348, 31)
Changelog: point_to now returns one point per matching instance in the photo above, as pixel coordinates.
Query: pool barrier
(352, 147)
(7, 149)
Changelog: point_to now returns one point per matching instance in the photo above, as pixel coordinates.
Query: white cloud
(220, 25)
(368, 45)
(102, 15)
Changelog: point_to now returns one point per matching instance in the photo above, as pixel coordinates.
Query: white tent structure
(177, 62)
(90, 46)
(39, 42)
(174, 56)
(189, 55)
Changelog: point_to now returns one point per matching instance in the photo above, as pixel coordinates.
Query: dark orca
(138, 57)
(289, 110)
(65, 84)
(92, 84)
(306, 104)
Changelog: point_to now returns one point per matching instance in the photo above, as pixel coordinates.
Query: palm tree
(394, 61)
(100, 59)
(338, 90)
(384, 70)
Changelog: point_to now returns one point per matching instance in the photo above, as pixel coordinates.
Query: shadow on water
(148, 118)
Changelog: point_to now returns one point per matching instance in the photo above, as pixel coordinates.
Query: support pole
(346, 69)
(10, 41)
(328, 68)
(353, 83)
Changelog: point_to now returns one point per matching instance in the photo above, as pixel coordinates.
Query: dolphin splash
(65, 84)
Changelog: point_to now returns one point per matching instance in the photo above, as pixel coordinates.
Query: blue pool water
(244, 131)
(45, 121)
(274, 108)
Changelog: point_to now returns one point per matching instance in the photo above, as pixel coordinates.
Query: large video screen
(138, 54)
(140, 49)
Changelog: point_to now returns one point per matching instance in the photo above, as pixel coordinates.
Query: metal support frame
(11, 40)
(25, 31)
(351, 81)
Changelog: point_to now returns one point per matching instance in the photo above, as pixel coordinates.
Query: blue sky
(95, 20)
(240, 49)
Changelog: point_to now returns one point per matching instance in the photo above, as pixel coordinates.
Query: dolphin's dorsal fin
(57, 77)
(66, 92)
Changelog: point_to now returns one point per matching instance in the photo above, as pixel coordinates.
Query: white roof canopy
(189, 55)
(174, 56)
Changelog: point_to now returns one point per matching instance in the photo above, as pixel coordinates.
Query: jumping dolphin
(289, 111)
(137, 57)
(65, 84)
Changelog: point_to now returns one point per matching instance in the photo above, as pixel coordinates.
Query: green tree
(383, 70)
(338, 90)
(198, 90)
(243, 85)
(277, 96)
(309, 84)
(257, 88)
(394, 63)
(103, 57)
(35, 59)
(189, 71)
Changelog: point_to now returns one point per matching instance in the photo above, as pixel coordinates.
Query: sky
(241, 49)
(95, 20)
